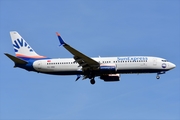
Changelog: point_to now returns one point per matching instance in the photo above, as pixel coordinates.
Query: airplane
(108, 69)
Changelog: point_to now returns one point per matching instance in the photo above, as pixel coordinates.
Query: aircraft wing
(83, 60)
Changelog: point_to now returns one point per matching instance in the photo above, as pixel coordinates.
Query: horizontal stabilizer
(15, 59)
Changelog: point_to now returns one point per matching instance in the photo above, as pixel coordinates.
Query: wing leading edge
(83, 60)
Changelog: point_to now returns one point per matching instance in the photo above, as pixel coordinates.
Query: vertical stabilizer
(21, 47)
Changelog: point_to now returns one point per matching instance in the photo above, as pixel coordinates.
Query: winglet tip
(60, 39)
(57, 34)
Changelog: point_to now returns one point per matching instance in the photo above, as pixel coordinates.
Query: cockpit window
(164, 60)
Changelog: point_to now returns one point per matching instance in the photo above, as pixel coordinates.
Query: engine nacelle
(108, 68)
(110, 77)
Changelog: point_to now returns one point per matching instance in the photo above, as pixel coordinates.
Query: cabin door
(39, 65)
(155, 62)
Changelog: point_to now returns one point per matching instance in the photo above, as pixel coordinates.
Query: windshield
(164, 60)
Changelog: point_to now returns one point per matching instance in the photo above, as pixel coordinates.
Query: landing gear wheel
(157, 77)
(92, 81)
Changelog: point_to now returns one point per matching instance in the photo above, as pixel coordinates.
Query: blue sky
(105, 28)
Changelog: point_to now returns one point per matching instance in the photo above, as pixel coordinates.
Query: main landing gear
(92, 81)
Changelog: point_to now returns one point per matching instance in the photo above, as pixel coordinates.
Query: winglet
(60, 39)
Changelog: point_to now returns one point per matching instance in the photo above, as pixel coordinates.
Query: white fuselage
(129, 64)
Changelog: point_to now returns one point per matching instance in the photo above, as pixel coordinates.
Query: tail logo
(21, 43)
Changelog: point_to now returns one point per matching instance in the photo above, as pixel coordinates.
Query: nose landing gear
(162, 72)
(157, 77)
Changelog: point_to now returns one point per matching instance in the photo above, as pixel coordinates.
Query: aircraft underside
(107, 77)
(138, 71)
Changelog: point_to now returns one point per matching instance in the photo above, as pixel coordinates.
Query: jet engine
(108, 68)
(110, 77)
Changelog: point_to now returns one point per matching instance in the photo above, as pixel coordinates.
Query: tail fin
(22, 48)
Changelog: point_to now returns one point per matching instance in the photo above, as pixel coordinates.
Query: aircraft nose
(171, 65)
